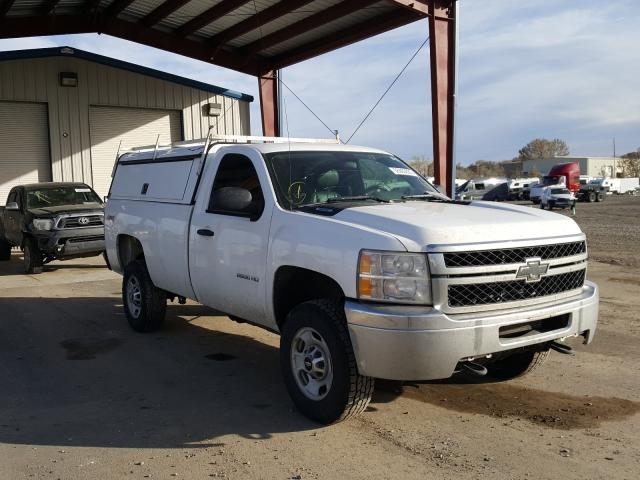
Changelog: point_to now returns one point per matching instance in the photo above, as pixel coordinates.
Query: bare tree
(630, 164)
(542, 148)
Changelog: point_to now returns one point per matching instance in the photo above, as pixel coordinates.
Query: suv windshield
(304, 178)
(44, 197)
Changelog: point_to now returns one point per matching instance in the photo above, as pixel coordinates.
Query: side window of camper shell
(236, 172)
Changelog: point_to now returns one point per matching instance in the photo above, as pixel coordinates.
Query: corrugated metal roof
(29, 17)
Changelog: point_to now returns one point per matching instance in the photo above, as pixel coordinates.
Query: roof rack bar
(250, 139)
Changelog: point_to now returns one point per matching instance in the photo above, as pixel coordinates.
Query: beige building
(64, 113)
(591, 166)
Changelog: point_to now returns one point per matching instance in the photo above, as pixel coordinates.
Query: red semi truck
(566, 174)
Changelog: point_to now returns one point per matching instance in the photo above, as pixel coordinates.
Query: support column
(269, 103)
(442, 39)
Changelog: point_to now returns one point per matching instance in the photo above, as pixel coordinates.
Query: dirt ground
(82, 396)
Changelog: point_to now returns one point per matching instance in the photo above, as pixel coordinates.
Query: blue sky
(528, 68)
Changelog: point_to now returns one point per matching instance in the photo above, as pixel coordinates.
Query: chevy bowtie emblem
(533, 271)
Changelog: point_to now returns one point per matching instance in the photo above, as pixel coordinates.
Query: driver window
(236, 172)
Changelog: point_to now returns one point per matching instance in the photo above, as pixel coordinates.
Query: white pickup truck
(364, 269)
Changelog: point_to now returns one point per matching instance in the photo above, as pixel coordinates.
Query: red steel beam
(344, 37)
(442, 42)
(162, 11)
(256, 21)
(303, 26)
(268, 88)
(209, 16)
(68, 24)
(420, 6)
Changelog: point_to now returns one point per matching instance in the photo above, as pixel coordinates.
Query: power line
(333, 132)
(388, 88)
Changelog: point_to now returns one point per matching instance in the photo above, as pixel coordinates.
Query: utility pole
(615, 172)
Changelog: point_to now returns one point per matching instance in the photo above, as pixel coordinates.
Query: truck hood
(53, 211)
(419, 223)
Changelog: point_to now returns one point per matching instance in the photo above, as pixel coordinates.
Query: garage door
(24, 145)
(134, 127)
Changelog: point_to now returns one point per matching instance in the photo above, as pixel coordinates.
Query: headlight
(393, 277)
(42, 224)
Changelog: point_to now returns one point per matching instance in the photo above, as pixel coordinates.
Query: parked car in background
(364, 269)
(51, 221)
(476, 188)
(557, 197)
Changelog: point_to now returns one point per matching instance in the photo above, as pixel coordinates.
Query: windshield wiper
(433, 198)
(357, 198)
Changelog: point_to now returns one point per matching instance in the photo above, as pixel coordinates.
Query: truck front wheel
(319, 365)
(32, 256)
(517, 364)
(145, 304)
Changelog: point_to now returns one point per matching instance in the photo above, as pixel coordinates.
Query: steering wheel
(378, 187)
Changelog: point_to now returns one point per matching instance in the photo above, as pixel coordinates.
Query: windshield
(44, 197)
(304, 178)
(552, 179)
(559, 191)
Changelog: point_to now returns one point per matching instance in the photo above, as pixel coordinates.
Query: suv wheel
(145, 304)
(517, 364)
(32, 256)
(318, 363)
(5, 251)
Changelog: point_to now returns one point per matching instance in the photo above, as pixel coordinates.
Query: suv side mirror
(12, 206)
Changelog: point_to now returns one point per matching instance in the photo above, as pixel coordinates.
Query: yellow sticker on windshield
(296, 193)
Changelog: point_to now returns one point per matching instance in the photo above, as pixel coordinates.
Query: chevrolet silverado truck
(360, 265)
(51, 221)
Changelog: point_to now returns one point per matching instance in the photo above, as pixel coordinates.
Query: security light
(68, 79)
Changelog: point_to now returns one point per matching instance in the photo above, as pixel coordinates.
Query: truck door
(12, 218)
(228, 242)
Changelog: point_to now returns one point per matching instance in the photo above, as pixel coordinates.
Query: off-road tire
(152, 305)
(517, 364)
(32, 256)
(592, 197)
(600, 197)
(5, 250)
(350, 392)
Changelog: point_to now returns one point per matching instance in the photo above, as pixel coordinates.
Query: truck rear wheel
(145, 304)
(32, 256)
(5, 251)
(517, 364)
(600, 197)
(319, 365)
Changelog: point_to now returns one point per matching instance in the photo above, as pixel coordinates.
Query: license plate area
(534, 327)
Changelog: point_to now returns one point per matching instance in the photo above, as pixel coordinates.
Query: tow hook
(561, 348)
(472, 368)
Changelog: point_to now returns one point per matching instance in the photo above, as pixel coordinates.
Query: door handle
(205, 232)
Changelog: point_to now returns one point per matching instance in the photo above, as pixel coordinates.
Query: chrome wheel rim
(311, 363)
(134, 297)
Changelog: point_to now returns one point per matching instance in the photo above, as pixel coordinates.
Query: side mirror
(12, 206)
(232, 200)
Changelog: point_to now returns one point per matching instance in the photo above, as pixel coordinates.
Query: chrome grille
(75, 222)
(465, 295)
(505, 256)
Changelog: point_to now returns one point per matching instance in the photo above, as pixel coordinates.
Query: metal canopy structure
(256, 37)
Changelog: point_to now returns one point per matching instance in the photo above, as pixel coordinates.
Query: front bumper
(412, 343)
(72, 243)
